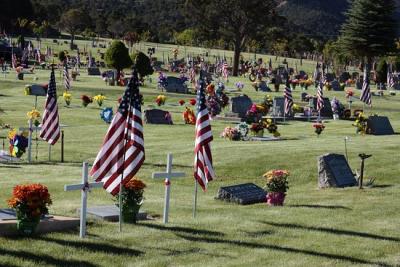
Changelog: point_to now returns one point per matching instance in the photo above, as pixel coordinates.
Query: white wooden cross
(167, 175)
(85, 186)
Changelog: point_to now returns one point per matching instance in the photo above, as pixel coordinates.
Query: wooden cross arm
(80, 186)
(169, 175)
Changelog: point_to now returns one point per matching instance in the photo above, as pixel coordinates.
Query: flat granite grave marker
(243, 194)
(240, 105)
(109, 213)
(93, 71)
(379, 125)
(334, 171)
(157, 116)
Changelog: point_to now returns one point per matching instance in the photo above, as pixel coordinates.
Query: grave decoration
(243, 194)
(67, 98)
(192, 101)
(188, 116)
(160, 100)
(379, 125)
(337, 108)
(318, 128)
(106, 114)
(239, 85)
(276, 186)
(99, 99)
(34, 115)
(181, 102)
(232, 133)
(334, 171)
(86, 100)
(18, 142)
(361, 123)
(31, 202)
(132, 199)
(162, 80)
(305, 83)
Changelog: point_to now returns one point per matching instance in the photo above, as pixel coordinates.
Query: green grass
(333, 227)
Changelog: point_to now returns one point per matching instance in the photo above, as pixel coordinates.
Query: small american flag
(39, 58)
(390, 78)
(122, 152)
(366, 91)
(288, 99)
(192, 75)
(203, 169)
(50, 130)
(225, 71)
(320, 95)
(67, 83)
(13, 61)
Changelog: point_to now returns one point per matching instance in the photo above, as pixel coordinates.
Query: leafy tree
(234, 20)
(131, 38)
(117, 56)
(72, 22)
(186, 37)
(369, 30)
(142, 63)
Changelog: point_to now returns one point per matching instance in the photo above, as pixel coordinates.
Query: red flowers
(181, 102)
(86, 100)
(192, 101)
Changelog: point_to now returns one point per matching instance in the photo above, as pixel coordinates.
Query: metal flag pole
(127, 123)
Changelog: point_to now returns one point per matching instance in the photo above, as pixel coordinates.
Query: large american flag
(320, 95)
(366, 91)
(122, 152)
(288, 99)
(67, 83)
(203, 169)
(50, 129)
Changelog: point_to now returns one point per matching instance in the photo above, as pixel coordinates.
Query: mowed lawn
(332, 227)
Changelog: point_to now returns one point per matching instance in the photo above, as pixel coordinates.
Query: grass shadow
(330, 207)
(381, 186)
(93, 247)
(47, 259)
(250, 245)
(333, 231)
(180, 229)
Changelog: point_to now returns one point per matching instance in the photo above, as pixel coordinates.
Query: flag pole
(195, 199)
(121, 188)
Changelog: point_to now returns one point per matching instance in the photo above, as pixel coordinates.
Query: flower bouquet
(189, 117)
(192, 101)
(31, 202)
(239, 85)
(34, 115)
(361, 123)
(86, 100)
(271, 127)
(276, 187)
(132, 199)
(231, 133)
(210, 89)
(319, 128)
(18, 143)
(213, 105)
(99, 99)
(257, 129)
(162, 80)
(181, 102)
(67, 98)
(160, 100)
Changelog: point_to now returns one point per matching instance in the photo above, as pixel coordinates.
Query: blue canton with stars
(131, 94)
(51, 89)
(201, 97)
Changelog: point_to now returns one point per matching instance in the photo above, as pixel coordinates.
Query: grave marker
(93, 71)
(240, 105)
(334, 171)
(176, 85)
(327, 109)
(167, 175)
(279, 107)
(157, 116)
(379, 125)
(85, 186)
(243, 194)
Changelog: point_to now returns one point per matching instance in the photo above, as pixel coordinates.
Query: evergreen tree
(117, 56)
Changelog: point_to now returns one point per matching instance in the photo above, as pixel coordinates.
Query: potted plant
(132, 199)
(30, 202)
(276, 187)
(319, 128)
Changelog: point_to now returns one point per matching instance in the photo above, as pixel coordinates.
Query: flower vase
(275, 198)
(129, 214)
(27, 226)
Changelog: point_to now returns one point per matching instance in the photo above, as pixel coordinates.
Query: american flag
(320, 95)
(13, 61)
(50, 130)
(366, 91)
(39, 59)
(225, 71)
(122, 153)
(192, 75)
(288, 99)
(390, 78)
(203, 169)
(67, 83)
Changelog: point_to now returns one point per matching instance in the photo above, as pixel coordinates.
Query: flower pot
(129, 214)
(275, 198)
(26, 226)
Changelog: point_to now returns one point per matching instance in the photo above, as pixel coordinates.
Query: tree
(72, 22)
(369, 30)
(142, 64)
(237, 21)
(117, 56)
(131, 38)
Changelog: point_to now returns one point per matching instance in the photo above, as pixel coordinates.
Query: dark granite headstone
(379, 125)
(358, 85)
(330, 77)
(279, 103)
(240, 105)
(176, 85)
(344, 77)
(242, 194)
(263, 87)
(335, 86)
(327, 109)
(334, 171)
(93, 71)
(156, 116)
(37, 90)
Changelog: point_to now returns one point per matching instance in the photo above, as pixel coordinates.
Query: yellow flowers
(33, 115)
(67, 98)
(99, 99)
(27, 90)
(160, 100)
(277, 180)
(12, 133)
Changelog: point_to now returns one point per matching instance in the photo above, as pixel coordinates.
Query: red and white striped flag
(67, 83)
(50, 129)
(13, 61)
(203, 168)
(39, 57)
(225, 71)
(122, 152)
(288, 100)
(320, 95)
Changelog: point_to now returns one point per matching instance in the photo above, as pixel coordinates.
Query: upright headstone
(243, 194)
(334, 171)
(379, 125)
(279, 104)
(157, 116)
(240, 105)
(93, 71)
(176, 85)
(335, 86)
(327, 109)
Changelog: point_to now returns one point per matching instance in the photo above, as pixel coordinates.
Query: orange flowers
(189, 117)
(135, 184)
